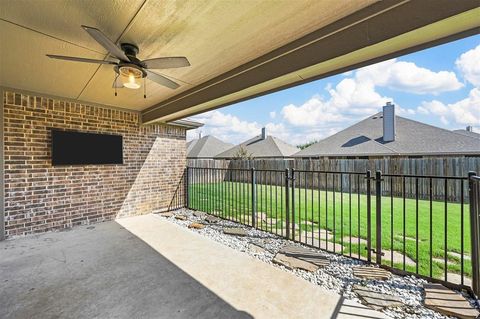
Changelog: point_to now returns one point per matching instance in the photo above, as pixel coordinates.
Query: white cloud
(469, 64)
(349, 100)
(408, 77)
(463, 112)
(273, 114)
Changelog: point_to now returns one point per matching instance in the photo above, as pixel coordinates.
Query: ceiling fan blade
(105, 42)
(117, 83)
(166, 63)
(76, 59)
(160, 79)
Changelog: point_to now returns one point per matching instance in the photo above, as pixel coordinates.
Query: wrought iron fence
(368, 216)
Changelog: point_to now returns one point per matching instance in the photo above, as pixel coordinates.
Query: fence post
(254, 199)
(369, 216)
(287, 203)
(474, 194)
(187, 182)
(292, 178)
(378, 216)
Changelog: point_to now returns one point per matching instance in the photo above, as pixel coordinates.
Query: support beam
(381, 31)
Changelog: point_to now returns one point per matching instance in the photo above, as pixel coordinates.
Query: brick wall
(40, 197)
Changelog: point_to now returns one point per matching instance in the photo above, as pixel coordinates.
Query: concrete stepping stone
(377, 300)
(458, 255)
(397, 258)
(256, 249)
(448, 302)
(212, 219)
(305, 255)
(294, 263)
(346, 241)
(166, 214)
(196, 226)
(235, 231)
(181, 217)
(199, 214)
(457, 279)
(366, 272)
(442, 261)
(322, 244)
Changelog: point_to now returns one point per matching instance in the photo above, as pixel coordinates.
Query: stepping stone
(377, 300)
(397, 258)
(322, 244)
(166, 215)
(448, 302)
(212, 219)
(346, 241)
(305, 255)
(458, 255)
(261, 215)
(442, 261)
(366, 272)
(196, 226)
(457, 279)
(199, 214)
(294, 263)
(235, 231)
(256, 249)
(181, 217)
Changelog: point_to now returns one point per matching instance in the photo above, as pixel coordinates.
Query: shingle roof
(206, 147)
(365, 138)
(258, 147)
(467, 133)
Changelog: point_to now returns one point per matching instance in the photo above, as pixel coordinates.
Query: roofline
(389, 155)
(189, 125)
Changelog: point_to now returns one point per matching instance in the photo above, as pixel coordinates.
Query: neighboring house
(390, 135)
(206, 147)
(468, 132)
(260, 146)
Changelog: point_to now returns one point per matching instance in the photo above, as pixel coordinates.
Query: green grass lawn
(346, 216)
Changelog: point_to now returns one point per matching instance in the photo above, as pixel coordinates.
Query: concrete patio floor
(145, 267)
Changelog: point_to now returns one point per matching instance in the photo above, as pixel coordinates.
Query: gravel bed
(338, 276)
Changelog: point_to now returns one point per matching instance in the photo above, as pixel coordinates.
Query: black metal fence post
(369, 216)
(474, 194)
(187, 183)
(292, 178)
(254, 199)
(378, 216)
(287, 203)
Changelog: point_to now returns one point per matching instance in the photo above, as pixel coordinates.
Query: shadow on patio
(100, 271)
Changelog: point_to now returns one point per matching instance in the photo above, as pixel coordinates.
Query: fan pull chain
(145, 88)
(115, 83)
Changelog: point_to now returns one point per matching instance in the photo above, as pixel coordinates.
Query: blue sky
(439, 86)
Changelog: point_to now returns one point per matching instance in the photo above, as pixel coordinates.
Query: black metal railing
(396, 221)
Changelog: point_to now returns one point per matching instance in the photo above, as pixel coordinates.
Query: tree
(242, 154)
(303, 146)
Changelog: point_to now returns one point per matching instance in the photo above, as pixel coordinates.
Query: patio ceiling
(238, 49)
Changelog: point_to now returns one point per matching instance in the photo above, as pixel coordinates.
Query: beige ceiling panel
(62, 19)
(100, 91)
(23, 63)
(217, 36)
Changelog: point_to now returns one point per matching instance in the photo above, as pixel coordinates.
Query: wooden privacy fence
(435, 166)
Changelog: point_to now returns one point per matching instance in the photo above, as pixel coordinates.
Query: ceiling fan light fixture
(130, 77)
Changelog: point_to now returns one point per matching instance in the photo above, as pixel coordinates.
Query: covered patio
(80, 240)
(146, 267)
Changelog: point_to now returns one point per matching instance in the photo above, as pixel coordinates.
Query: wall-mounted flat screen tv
(75, 148)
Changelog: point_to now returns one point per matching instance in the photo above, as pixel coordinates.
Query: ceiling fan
(129, 70)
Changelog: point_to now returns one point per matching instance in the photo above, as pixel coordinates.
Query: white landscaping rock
(337, 276)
